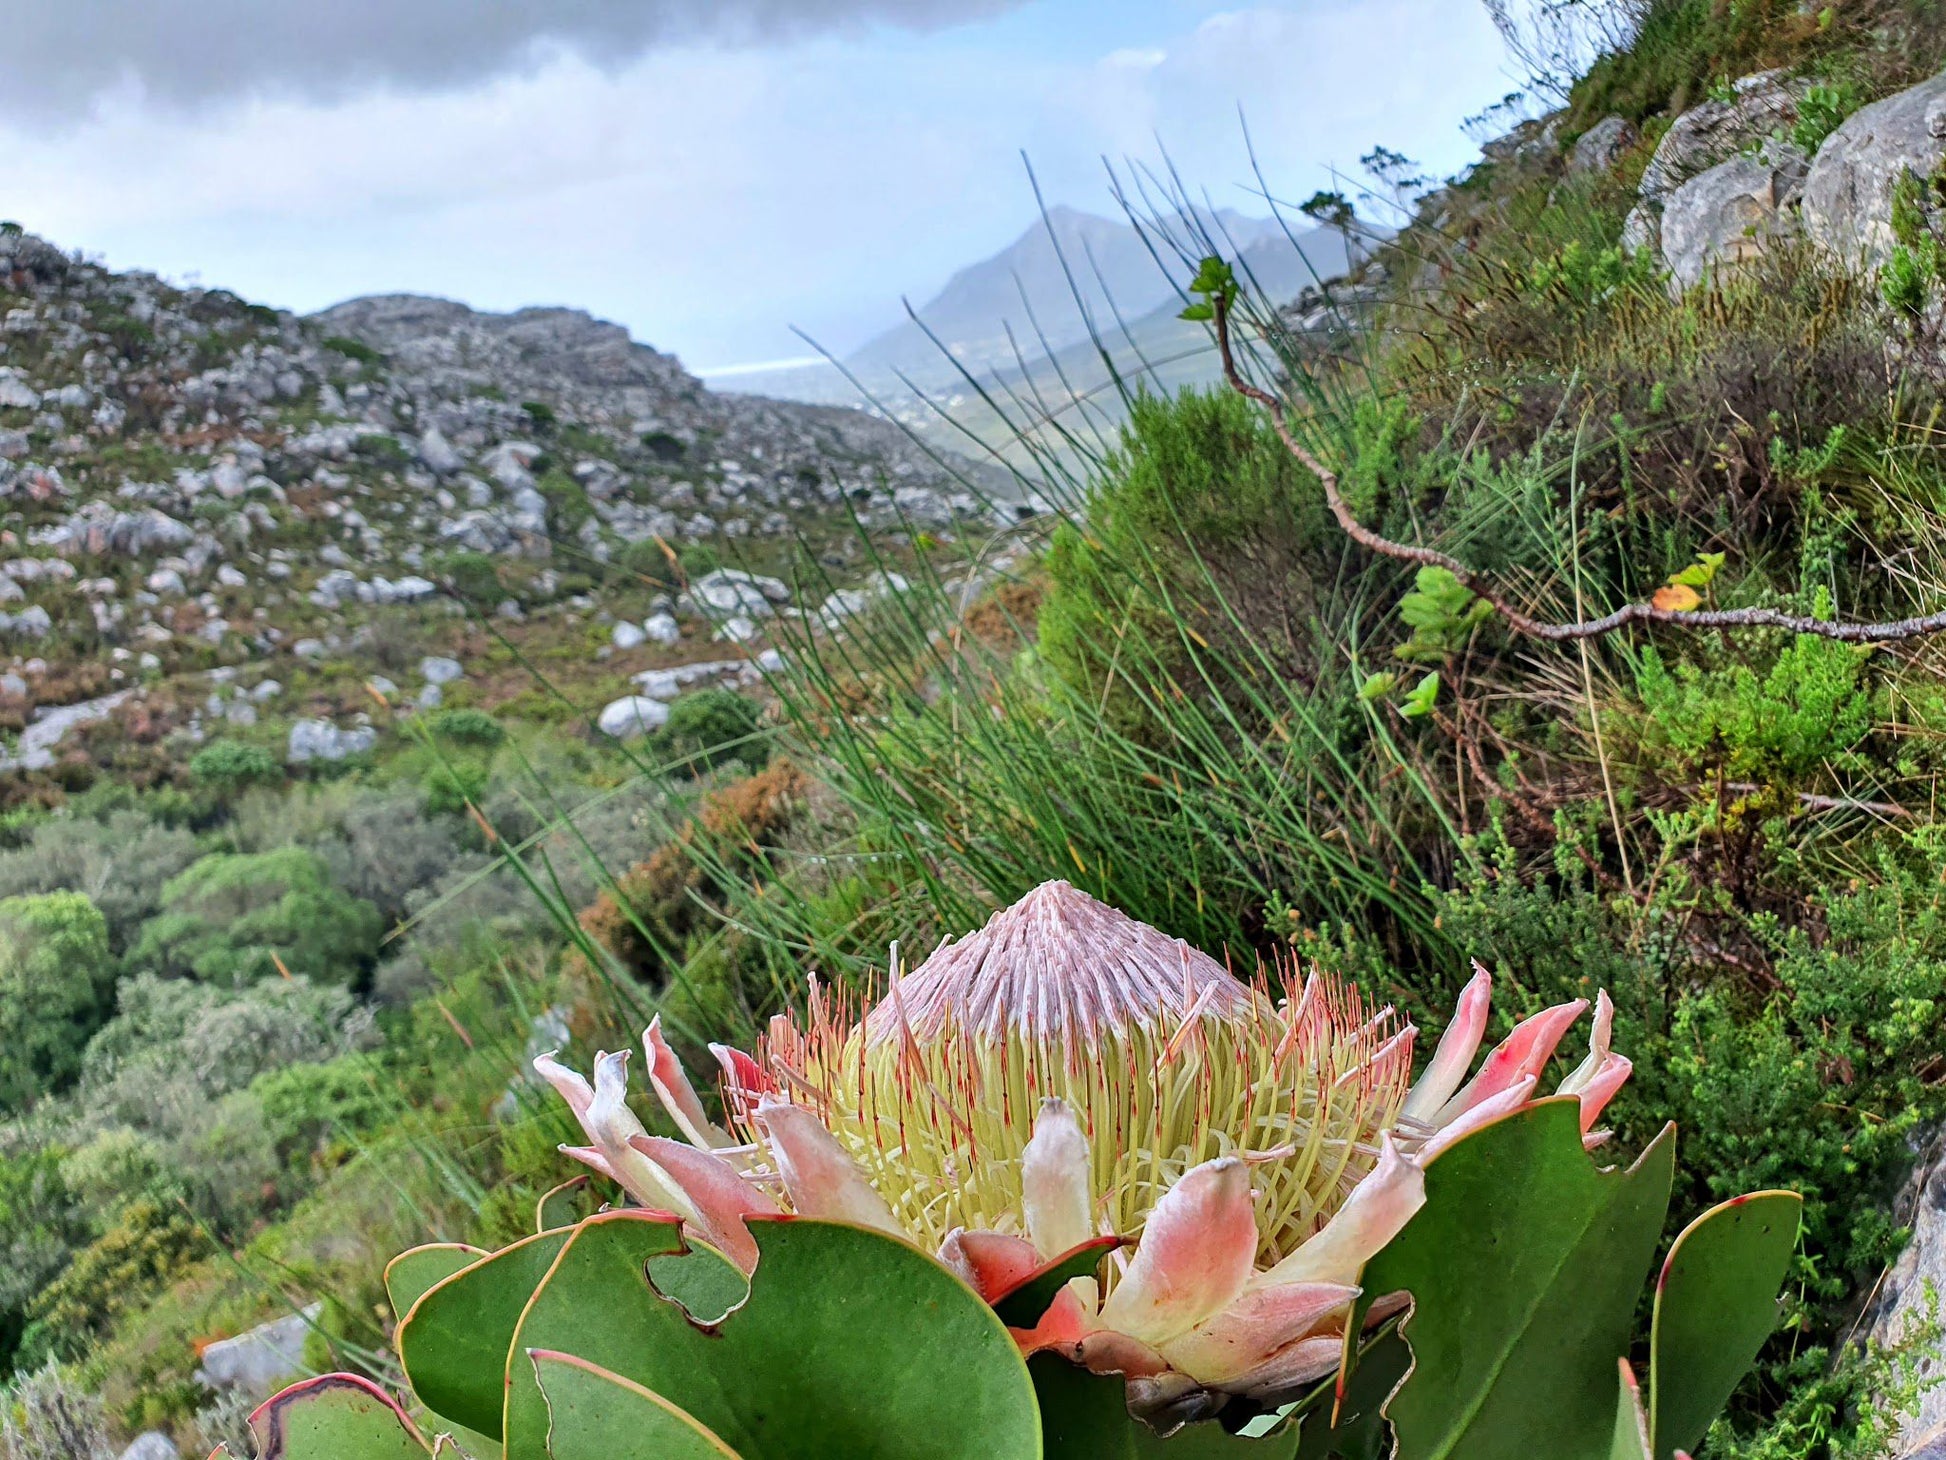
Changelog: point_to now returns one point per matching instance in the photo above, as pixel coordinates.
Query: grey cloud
(57, 56)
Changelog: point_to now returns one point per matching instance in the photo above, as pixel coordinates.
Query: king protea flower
(1068, 1076)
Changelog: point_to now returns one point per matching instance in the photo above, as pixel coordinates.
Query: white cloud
(61, 57)
(709, 197)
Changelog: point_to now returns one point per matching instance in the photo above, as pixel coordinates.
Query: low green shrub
(468, 727)
(475, 577)
(712, 727)
(1205, 547)
(228, 767)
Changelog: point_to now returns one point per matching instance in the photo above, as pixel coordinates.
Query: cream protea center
(1165, 1059)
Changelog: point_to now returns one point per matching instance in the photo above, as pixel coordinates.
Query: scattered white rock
(154, 1445)
(627, 635)
(666, 684)
(662, 628)
(314, 740)
(32, 622)
(633, 717)
(437, 453)
(732, 591)
(436, 669)
(35, 750)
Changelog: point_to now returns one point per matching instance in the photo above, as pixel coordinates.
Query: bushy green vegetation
(55, 977)
(234, 918)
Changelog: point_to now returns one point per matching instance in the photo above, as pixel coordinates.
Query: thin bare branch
(1891, 631)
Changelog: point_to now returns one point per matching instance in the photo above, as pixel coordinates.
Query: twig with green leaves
(1677, 603)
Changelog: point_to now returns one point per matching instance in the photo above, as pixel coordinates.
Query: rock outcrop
(1848, 193)
(1600, 147)
(1714, 131)
(1731, 213)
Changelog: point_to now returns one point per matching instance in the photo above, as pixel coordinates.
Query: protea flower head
(1068, 1076)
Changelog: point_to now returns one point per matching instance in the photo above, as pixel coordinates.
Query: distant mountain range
(1033, 305)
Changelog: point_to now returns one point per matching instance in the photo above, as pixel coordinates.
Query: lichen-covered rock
(1711, 132)
(1902, 1299)
(1732, 213)
(1641, 229)
(1848, 194)
(1600, 147)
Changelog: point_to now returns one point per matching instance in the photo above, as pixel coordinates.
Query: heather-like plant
(1069, 1188)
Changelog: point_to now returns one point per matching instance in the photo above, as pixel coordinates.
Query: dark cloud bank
(59, 55)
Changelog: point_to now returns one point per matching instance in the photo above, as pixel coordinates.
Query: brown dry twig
(1892, 631)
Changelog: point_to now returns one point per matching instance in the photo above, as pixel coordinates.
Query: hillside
(201, 487)
(408, 692)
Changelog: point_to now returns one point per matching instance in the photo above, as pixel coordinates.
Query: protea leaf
(1715, 1304)
(596, 1415)
(409, 1275)
(1525, 1267)
(850, 1342)
(336, 1417)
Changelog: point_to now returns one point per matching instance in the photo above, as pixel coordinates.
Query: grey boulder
(152, 1446)
(1712, 131)
(633, 717)
(259, 1361)
(1600, 147)
(1848, 194)
(1732, 213)
(313, 740)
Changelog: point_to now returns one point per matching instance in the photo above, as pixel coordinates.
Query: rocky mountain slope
(194, 485)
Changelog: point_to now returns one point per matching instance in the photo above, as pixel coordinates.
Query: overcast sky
(708, 172)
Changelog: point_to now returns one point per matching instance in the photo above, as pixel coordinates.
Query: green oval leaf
(1524, 1265)
(411, 1274)
(850, 1343)
(596, 1415)
(1715, 1304)
(335, 1417)
(453, 1342)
